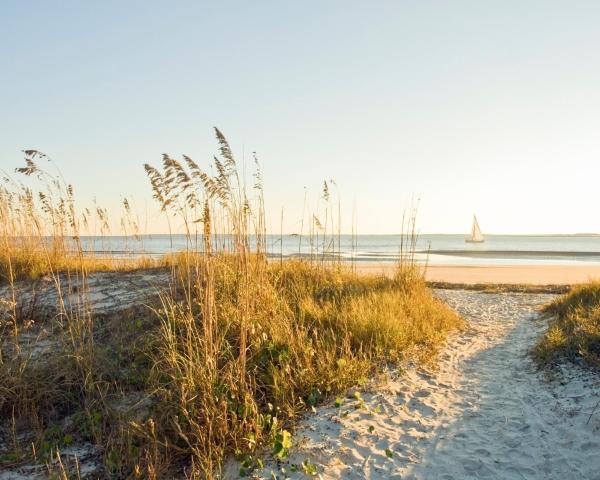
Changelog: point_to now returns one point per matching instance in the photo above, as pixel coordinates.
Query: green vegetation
(574, 330)
(223, 364)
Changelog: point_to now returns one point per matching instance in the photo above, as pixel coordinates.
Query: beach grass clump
(574, 329)
(312, 332)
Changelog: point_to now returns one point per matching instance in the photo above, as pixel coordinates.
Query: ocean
(438, 249)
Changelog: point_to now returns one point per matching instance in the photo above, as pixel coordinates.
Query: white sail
(476, 235)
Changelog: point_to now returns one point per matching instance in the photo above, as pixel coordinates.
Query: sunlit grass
(232, 353)
(574, 330)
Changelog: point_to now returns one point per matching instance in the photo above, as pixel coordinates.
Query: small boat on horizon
(476, 235)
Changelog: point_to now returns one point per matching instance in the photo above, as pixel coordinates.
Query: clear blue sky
(490, 107)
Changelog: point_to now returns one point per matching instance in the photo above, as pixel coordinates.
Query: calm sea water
(436, 249)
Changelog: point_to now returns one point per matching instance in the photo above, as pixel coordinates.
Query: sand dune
(483, 412)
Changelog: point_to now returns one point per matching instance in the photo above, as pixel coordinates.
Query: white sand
(485, 412)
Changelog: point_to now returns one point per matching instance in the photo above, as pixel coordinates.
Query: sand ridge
(484, 411)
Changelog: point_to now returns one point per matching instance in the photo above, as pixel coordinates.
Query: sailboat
(476, 235)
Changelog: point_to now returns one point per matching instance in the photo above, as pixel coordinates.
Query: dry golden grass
(312, 333)
(574, 330)
(31, 264)
(234, 351)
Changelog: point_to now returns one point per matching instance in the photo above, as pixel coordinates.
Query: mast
(476, 231)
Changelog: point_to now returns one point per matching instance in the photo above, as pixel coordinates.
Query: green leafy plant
(282, 444)
(309, 468)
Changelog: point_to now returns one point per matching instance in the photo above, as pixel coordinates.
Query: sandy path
(484, 412)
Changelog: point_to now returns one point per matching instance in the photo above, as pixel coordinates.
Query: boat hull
(474, 241)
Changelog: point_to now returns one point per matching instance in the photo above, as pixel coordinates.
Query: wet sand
(505, 274)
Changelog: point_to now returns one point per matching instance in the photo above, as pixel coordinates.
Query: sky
(486, 107)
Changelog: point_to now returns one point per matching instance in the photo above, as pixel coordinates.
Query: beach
(483, 410)
(497, 274)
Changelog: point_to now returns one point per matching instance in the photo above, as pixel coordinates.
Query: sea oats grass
(234, 350)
